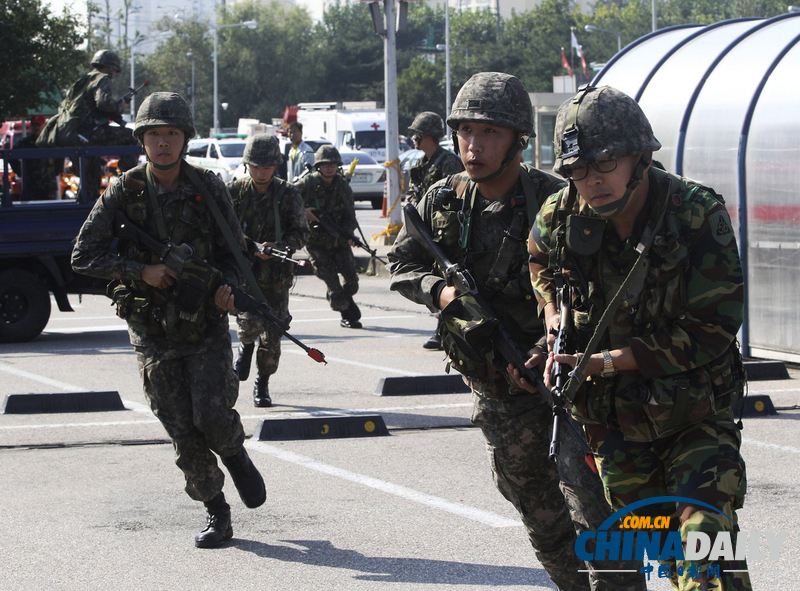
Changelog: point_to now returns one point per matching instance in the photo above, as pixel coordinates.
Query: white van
(221, 156)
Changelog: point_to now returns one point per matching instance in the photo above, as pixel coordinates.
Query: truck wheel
(24, 306)
(377, 202)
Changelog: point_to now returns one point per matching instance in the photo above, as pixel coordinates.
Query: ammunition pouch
(467, 338)
(193, 288)
(416, 175)
(584, 234)
(133, 307)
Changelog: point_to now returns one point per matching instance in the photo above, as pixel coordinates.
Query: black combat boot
(218, 524)
(351, 316)
(435, 342)
(242, 364)
(247, 478)
(261, 393)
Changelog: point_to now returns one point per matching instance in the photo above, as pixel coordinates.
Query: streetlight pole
(617, 33)
(448, 102)
(162, 35)
(191, 56)
(215, 27)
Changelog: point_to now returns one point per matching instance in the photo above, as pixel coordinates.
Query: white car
(368, 177)
(220, 156)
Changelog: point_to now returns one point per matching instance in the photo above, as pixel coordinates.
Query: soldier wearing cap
(326, 192)
(653, 269)
(40, 175)
(481, 219)
(185, 359)
(272, 214)
(84, 115)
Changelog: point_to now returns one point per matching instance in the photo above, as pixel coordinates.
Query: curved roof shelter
(724, 100)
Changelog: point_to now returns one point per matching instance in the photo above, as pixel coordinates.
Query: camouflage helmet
(262, 150)
(164, 109)
(108, 59)
(428, 123)
(600, 123)
(327, 154)
(493, 98)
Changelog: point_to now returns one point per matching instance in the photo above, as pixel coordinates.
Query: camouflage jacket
(153, 318)
(428, 171)
(277, 216)
(681, 324)
(334, 200)
(495, 251)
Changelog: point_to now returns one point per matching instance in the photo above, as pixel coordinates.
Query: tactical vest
(646, 410)
(75, 115)
(502, 273)
(150, 311)
(263, 224)
(423, 178)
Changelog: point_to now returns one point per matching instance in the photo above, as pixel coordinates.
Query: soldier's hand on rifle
(223, 298)
(159, 276)
(551, 321)
(536, 358)
(310, 215)
(447, 295)
(265, 256)
(351, 243)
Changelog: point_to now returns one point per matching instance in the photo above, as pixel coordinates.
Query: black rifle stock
(503, 342)
(175, 256)
(559, 372)
(335, 229)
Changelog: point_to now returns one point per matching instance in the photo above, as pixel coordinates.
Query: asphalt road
(94, 501)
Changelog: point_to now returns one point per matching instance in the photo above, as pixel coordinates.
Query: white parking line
(409, 494)
(392, 370)
(774, 446)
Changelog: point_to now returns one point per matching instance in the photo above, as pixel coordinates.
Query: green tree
(38, 51)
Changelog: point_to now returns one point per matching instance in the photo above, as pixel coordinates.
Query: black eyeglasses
(578, 173)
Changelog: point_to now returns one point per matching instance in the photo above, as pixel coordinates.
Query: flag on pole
(579, 50)
(565, 63)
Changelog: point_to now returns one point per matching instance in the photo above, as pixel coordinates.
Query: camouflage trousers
(251, 327)
(328, 263)
(192, 390)
(703, 463)
(557, 502)
(106, 135)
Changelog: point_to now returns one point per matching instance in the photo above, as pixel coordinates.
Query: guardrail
(74, 154)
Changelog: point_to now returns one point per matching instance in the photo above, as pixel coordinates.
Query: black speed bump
(411, 386)
(329, 427)
(62, 402)
(755, 405)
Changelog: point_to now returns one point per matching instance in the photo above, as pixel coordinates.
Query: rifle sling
(244, 266)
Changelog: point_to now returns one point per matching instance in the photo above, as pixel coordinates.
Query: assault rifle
(333, 228)
(503, 342)
(194, 275)
(281, 255)
(559, 372)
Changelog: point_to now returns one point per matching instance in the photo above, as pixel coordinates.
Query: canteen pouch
(467, 338)
(584, 234)
(131, 307)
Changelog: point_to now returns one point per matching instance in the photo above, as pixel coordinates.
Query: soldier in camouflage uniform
(184, 351)
(657, 396)
(39, 180)
(435, 164)
(483, 225)
(272, 214)
(327, 192)
(84, 116)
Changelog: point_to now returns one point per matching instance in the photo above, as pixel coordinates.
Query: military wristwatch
(608, 365)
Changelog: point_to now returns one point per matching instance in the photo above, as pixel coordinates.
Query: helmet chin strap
(165, 166)
(262, 183)
(615, 209)
(515, 148)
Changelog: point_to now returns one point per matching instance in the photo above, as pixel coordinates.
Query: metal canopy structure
(723, 101)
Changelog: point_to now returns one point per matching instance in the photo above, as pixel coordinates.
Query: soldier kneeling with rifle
(178, 322)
